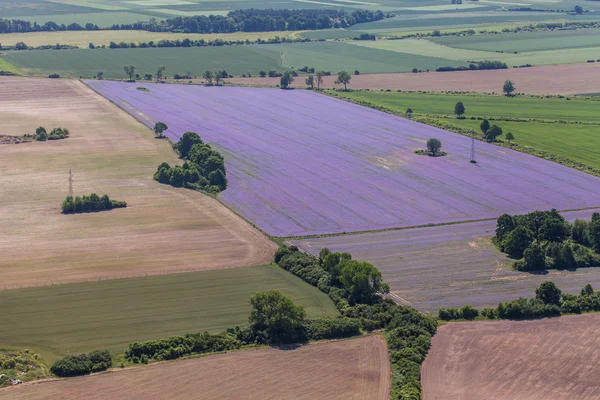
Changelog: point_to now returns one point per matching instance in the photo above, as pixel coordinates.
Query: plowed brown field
(556, 359)
(551, 79)
(162, 230)
(356, 369)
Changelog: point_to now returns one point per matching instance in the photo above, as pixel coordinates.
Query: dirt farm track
(557, 359)
(355, 369)
(572, 79)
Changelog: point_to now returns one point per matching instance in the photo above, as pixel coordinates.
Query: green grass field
(573, 141)
(66, 319)
(236, 60)
(6, 66)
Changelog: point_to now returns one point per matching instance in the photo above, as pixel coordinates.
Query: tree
(492, 133)
(459, 109)
(218, 77)
(362, 281)
(469, 312)
(310, 81)
(509, 137)
(262, 74)
(554, 230)
(594, 231)
(580, 232)
(517, 241)
(100, 75)
(509, 87)
(343, 78)
(159, 128)
(276, 316)
(433, 145)
(186, 142)
(534, 257)
(208, 75)
(286, 80)
(129, 71)
(578, 10)
(320, 76)
(587, 290)
(485, 125)
(160, 71)
(548, 293)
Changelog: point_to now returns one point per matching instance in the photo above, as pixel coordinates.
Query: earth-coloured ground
(357, 369)
(557, 358)
(162, 230)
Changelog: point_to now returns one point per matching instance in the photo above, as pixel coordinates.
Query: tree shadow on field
(289, 347)
(539, 272)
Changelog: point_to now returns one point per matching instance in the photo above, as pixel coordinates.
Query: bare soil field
(162, 230)
(556, 359)
(450, 266)
(350, 369)
(551, 79)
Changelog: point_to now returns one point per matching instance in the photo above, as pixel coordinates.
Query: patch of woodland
(91, 203)
(82, 364)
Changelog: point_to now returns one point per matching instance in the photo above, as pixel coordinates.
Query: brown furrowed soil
(162, 230)
(556, 359)
(349, 369)
(550, 79)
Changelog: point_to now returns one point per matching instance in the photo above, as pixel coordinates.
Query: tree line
(82, 364)
(203, 168)
(545, 240)
(549, 301)
(477, 65)
(91, 203)
(248, 20)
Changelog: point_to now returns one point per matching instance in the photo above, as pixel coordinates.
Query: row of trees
(20, 26)
(203, 168)
(91, 203)
(549, 301)
(287, 78)
(544, 239)
(83, 364)
(490, 132)
(479, 65)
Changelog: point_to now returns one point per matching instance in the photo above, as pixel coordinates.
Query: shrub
(82, 364)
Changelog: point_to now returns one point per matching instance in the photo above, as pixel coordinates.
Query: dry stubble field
(356, 369)
(556, 358)
(162, 230)
(575, 79)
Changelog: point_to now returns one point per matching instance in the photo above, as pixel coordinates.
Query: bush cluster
(41, 135)
(203, 169)
(477, 65)
(91, 203)
(82, 364)
(408, 332)
(549, 301)
(545, 240)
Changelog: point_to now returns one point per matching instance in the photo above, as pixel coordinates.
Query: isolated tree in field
(186, 142)
(485, 125)
(129, 71)
(100, 75)
(320, 76)
(159, 128)
(362, 281)
(509, 87)
(218, 77)
(492, 133)
(310, 81)
(434, 145)
(275, 316)
(344, 78)
(548, 293)
(459, 109)
(578, 10)
(286, 80)
(208, 75)
(509, 137)
(160, 72)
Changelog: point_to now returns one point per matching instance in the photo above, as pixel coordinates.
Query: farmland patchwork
(300, 163)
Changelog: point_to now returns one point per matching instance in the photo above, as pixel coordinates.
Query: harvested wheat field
(577, 79)
(556, 359)
(348, 369)
(162, 230)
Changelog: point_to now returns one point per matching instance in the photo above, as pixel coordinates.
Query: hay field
(341, 370)
(556, 358)
(98, 38)
(69, 319)
(582, 78)
(449, 266)
(163, 229)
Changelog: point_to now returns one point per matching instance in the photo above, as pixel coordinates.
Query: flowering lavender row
(300, 163)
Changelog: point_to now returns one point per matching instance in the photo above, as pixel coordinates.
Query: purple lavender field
(450, 266)
(300, 163)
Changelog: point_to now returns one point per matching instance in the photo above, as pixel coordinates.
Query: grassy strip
(8, 67)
